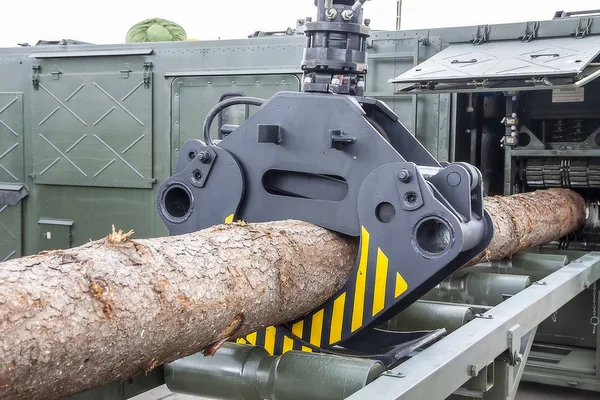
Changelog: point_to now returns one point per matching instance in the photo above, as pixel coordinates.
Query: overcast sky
(107, 21)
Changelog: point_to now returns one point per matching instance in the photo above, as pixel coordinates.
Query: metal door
(506, 66)
(193, 97)
(12, 190)
(426, 116)
(92, 128)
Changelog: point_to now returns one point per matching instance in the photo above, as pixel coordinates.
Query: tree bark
(75, 319)
(530, 219)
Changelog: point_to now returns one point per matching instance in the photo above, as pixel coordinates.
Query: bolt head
(204, 157)
(404, 176)
(367, 22)
(519, 358)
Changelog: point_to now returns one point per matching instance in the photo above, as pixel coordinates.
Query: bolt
(204, 157)
(197, 175)
(347, 15)
(472, 370)
(404, 176)
(331, 13)
(367, 22)
(411, 198)
(192, 155)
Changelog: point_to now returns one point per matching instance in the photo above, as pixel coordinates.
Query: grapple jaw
(325, 162)
(345, 162)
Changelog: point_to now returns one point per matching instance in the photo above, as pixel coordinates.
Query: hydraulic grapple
(330, 156)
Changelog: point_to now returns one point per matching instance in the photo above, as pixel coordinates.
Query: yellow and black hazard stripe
(373, 286)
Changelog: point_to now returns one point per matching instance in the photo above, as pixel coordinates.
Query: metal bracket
(147, 71)
(35, 76)
(482, 35)
(12, 194)
(339, 139)
(203, 161)
(583, 27)
(55, 75)
(531, 31)
(125, 73)
(514, 345)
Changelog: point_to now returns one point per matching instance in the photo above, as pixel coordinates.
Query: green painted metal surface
(11, 138)
(242, 372)
(92, 129)
(10, 232)
(193, 97)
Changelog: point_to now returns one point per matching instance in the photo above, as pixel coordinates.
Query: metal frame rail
(440, 370)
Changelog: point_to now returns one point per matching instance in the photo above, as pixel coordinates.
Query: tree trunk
(530, 219)
(71, 320)
(79, 318)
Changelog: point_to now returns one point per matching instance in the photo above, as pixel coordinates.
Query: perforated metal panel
(93, 129)
(11, 138)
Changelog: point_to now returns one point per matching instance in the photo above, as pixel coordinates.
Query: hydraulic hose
(233, 101)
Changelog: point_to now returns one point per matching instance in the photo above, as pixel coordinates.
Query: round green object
(155, 30)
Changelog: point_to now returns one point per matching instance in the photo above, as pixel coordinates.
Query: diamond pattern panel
(11, 138)
(10, 232)
(93, 130)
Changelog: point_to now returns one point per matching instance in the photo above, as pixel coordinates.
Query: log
(75, 319)
(526, 220)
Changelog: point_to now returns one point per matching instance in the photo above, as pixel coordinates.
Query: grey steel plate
(507, 59)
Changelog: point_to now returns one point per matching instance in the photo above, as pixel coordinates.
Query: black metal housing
(346, 163)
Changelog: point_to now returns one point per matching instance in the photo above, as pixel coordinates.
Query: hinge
(482, 35)
(531, 31)
(478, 83)
(514, 345)
(147, 68)
(35, 76)
(583, 27)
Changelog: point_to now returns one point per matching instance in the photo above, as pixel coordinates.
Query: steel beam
(441, 369)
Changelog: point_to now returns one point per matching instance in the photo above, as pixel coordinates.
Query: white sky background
(107, 21)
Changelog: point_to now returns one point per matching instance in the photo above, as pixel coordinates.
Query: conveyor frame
(440, 370)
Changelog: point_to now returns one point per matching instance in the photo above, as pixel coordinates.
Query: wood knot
(101, 292)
